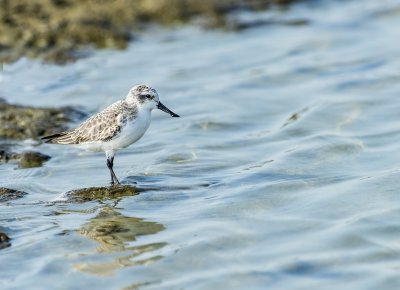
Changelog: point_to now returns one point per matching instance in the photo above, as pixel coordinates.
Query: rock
(7, 194)
(25, 159)
(101, 193)
(3, 237)
(4, 241)
(23, 122)
(6, 154)
(54, 30)
(238, 25)
(31, 159)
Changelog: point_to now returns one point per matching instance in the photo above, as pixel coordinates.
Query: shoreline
(59, 31)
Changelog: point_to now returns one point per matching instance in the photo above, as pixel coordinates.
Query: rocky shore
(24, 122)
(56, 30)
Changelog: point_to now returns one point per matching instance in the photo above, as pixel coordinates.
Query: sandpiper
(118, 126)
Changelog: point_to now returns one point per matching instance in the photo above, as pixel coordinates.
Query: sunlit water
(283, 172)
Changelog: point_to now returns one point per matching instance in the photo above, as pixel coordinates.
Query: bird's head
(147, 98)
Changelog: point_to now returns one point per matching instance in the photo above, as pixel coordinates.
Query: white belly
(130, 133)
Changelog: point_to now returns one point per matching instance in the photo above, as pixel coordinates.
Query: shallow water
(281, 174)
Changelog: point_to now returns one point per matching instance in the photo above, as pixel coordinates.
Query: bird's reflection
(115, 234)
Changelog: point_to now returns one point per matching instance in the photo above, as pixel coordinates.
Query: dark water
(283, 172)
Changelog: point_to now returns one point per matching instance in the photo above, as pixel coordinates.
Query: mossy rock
(31, 159)
(6, 154)
(4, 241)
(7, 194)
(27, 159)
(23, 122)
(102, 193)
(54, 30)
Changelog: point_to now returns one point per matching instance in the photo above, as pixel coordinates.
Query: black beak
(166, 110)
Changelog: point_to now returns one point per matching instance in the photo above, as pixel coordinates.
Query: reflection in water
(114, 232)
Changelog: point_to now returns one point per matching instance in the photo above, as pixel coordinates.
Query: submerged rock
(23, 122)
(31, 159)
(7, 194)
(6, 154)
(101, 193)
(27, 159)
(4, 241)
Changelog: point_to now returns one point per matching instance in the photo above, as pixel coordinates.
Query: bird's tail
(59, 138)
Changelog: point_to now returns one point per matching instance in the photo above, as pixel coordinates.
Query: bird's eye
(145, 97)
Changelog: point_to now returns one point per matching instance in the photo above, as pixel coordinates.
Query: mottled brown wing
(101, 127)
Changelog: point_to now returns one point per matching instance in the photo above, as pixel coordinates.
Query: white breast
(132, 131)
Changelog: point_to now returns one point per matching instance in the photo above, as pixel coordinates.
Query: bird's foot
(115, 183)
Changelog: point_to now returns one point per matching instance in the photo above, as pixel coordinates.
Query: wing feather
(103, 126)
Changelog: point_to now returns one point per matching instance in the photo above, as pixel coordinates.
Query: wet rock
(4, 241)
(6, 154)
(238, 25)
(7, 194)
(54, 29)
(22, 122)
(27, 159)
(31, 159)
(101, 193)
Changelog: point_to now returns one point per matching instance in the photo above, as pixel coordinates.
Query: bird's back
(103, 126)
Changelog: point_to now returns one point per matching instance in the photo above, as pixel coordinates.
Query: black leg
(110, 168)
(110, 164)
(112, 171)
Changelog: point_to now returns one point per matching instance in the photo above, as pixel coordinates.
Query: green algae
(102, 193)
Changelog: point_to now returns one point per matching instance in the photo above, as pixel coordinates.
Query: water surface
(281, 174)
